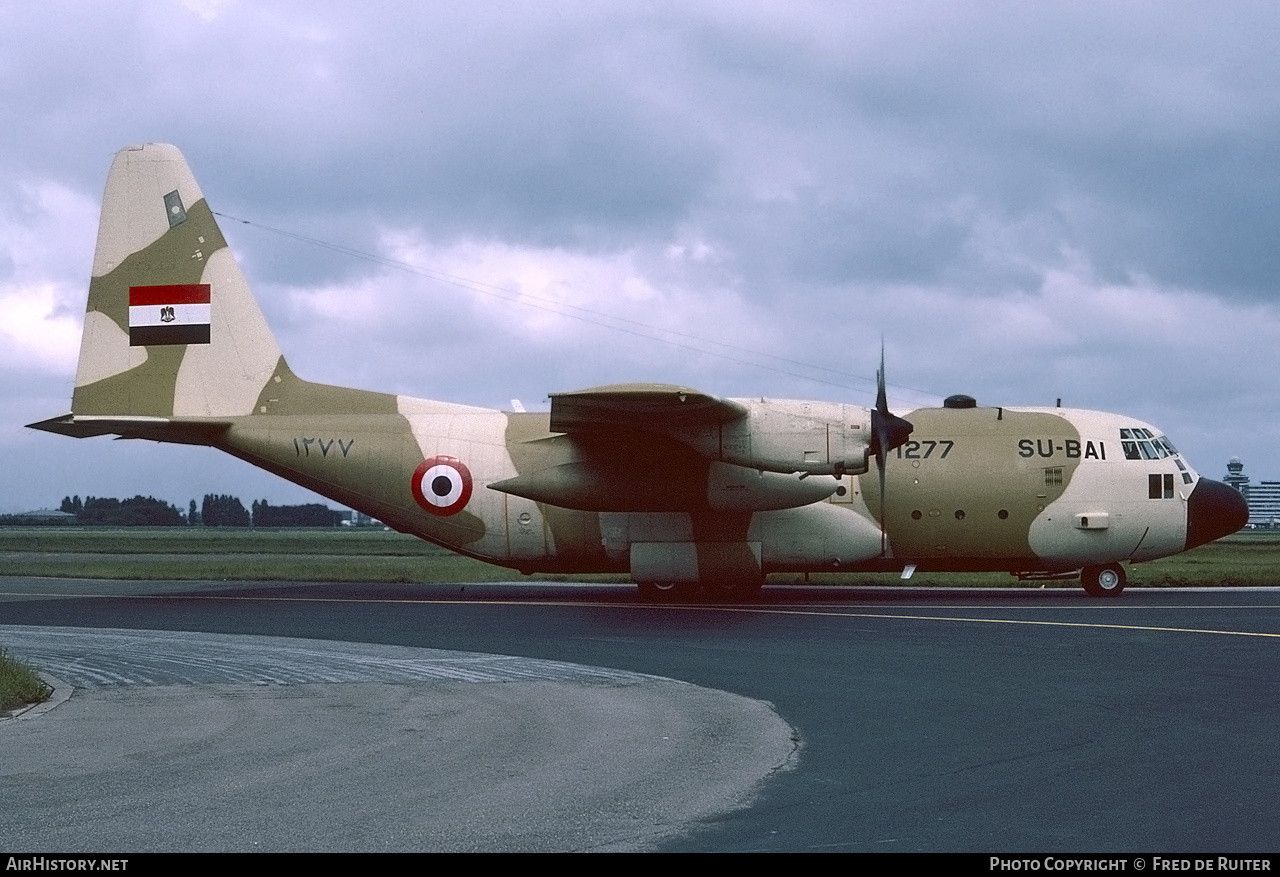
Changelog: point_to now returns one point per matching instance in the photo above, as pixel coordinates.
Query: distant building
(39, 518)
(1264, 504)
(1263, 497)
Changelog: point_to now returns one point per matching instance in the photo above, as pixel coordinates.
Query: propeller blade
(880, 470)
(888, 432)
(882, 403)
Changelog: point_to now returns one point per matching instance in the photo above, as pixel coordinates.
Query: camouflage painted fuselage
(979, 488)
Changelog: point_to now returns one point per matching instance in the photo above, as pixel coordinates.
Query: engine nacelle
(740, 489)
(592, 486)
(815, 438)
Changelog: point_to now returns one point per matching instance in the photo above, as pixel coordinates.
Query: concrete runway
(993, 721)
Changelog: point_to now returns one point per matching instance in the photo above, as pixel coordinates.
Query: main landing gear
(667, 592)
(1107, 580)
(731, 590)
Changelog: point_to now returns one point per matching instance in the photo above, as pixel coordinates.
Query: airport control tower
(1235, 476)
(1263, 497)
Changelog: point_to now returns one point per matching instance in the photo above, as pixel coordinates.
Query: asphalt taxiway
(196, 741)
(994, 721)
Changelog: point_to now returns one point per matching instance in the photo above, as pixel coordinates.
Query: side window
(1160, 486)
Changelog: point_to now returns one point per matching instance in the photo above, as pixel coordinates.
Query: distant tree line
(312, 514)
(140, 511)
(223, 511)
(216, 510)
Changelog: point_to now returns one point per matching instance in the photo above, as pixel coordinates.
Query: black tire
(736, 590)
(666, 592)
(1103, 581)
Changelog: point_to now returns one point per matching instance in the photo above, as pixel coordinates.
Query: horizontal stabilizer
(182, 430)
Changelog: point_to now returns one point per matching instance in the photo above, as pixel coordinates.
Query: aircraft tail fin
(172, 329)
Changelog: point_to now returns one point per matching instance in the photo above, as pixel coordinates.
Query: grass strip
(19, 684)
(375, 555)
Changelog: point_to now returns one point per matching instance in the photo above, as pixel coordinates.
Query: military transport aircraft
(679, 488)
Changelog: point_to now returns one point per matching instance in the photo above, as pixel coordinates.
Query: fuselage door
(526, 530)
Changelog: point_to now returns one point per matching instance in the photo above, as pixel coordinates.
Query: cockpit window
(1140, 443)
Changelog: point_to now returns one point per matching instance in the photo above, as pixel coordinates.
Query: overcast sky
(1027, 200)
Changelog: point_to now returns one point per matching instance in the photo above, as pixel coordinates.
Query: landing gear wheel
(735, 590)
(1103, 581)
(666, 592)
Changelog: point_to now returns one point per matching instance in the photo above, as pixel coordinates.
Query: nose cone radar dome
(1214, 510)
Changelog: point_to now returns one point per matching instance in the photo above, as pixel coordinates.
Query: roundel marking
(442, 485)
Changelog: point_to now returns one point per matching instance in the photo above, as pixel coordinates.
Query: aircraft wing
(655, 448)
(647, 407)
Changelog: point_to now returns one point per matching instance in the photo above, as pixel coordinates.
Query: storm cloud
(1027, 201)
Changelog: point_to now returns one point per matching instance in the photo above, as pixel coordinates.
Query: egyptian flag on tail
(177, 314)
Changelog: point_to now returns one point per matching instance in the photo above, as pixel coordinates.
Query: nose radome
(1214, 510)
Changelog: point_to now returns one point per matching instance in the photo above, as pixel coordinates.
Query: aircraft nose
(1214, 510)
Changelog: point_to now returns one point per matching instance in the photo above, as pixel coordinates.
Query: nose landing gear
(1107, 580)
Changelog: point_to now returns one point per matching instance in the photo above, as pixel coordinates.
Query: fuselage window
(1140, 444)
(1160, 486)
